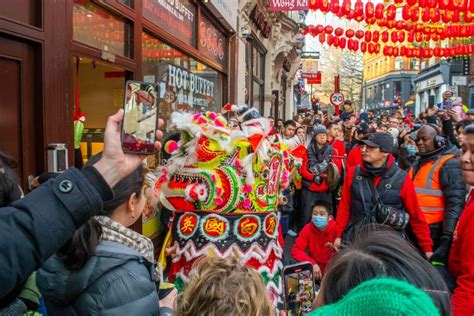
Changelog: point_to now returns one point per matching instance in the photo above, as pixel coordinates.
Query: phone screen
(140, 117)
(448, 105)
(299, 288)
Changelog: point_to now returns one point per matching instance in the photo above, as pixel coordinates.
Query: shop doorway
(20, 105)
(99, 93)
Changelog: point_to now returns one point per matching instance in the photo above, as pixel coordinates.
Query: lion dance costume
(224, 187)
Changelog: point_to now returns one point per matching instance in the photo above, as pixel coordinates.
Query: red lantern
(395, 51)
(351, 15)
(359, 34)
(339, 31)
(319, 29)
(432, 3)
(399, 25)
(435, 15)
(415, 14)
(426, 15)
(401, 37)
(322, 38)
(443, 4)
(342, 42)
(419, 37)
(411, 37)
(394, 37)
(335, 7)
(314, 4)
(375, 36)
(363, 47)
(331, 39)
(324, 5)
(409, 26)
(328, 29)
(377, 48)
(350, 33)
(445, 17)
(391, 12)
(385, 36)
(456, 16)
(403, 51)
(359, 9)
(336, 42)
(385, 51)
(379, 8)
(471, 6)
(368, 35)
(427, 30)
(346, 7)
(398, 1)
(371, 48)
(406, 12)
(350, 44)
(411, 2)
(468, 16)
(369, 10)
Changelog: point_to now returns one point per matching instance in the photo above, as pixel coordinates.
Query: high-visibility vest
(428, 189)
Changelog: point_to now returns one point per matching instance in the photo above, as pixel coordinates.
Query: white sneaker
(292, 233)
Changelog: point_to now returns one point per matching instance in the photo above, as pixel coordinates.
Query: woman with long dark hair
(106, 267)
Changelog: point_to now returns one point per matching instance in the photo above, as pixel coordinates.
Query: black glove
(441, 254)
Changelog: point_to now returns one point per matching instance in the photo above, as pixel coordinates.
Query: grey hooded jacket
(117, 280)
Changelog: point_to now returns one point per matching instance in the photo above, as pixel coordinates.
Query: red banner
(313, 80)
(288, 5)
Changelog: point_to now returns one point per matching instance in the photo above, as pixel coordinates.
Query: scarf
(376, 172)
(116, 232)
(317, 155)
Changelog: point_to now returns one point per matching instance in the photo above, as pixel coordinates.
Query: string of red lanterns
(423, 34)
(427, 10)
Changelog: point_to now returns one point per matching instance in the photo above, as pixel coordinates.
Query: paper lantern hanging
(435, 15)
(385, 36)
(375, 36)
(371, 48)
(322, 38)
(339, 31)
(359, 34)
(369, 10)
(467, 16)
(335, 7)
(422, 3)
(350, 33)
(406, 12)
(377, 48)
(394, 37)
(445, 17)
(432, 3)
(426, 17)
(401, 37)
(415, 14)
(456, 17)
(368, 36)
(383, 22)
(319, 29)
(359, 9)
(346, 7)
(379, 10)
(391, 12)
(328, 29)
(342, 42)
(324, 6)
(331, 40)
(411, 37)
(399, 25)
(356, 45)
(411, 2)
(363, 47)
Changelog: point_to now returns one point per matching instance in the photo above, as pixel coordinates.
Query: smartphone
(448, 105)
(140, 118)
(299, 288)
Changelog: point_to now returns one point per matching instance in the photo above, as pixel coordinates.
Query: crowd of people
(379, 205)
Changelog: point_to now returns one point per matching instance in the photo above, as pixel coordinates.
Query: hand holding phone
(298, 280)
(140, 117)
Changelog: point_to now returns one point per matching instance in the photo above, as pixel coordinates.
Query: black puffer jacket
(454, 192)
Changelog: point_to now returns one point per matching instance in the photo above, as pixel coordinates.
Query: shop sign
(191, 91)
(430, 83)
(311, 75)
(460, 80)
(288, 5)
(212, 42)
(174, 16)
(258, 18)
(225, 11)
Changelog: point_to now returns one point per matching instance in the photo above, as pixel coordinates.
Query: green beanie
(382, 296)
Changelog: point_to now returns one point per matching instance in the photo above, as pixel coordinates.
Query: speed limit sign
(337, 98)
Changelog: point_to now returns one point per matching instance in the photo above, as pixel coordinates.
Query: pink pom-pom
(212, 115)
(196, 116)
(247, 203)
(171, 146)
(247, 188)
(202, 120)
(218, 201)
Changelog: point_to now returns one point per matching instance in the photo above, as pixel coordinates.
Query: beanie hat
(319, 129)
(383, 296)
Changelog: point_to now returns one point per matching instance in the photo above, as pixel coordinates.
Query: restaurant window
(128, 3)
(94, 26)
(185, 84)
(256, 61)
(398, 63)
(414, 64)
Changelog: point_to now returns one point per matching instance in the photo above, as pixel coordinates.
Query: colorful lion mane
(224, 187)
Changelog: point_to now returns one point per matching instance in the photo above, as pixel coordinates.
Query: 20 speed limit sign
(337, 98)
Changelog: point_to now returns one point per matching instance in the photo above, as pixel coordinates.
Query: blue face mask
(320, 221)
(411, 149)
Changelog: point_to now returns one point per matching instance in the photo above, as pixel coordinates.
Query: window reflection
(95, 26)
(176, 93)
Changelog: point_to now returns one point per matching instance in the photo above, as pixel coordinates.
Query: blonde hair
(223, 287)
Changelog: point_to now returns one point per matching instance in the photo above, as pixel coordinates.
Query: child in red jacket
(318, 238)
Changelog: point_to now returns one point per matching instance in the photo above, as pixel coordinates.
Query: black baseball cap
(384, 141)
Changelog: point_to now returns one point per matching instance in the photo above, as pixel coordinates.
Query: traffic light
(314, 104)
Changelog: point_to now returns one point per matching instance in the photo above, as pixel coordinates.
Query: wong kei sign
(288, 5)
(186, 90)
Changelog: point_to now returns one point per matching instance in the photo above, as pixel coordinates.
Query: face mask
(411, 149)
(320, 221)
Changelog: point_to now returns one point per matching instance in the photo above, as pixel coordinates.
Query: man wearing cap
(316, 160)
(395, 189)
(439, 186)
(354, 158)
